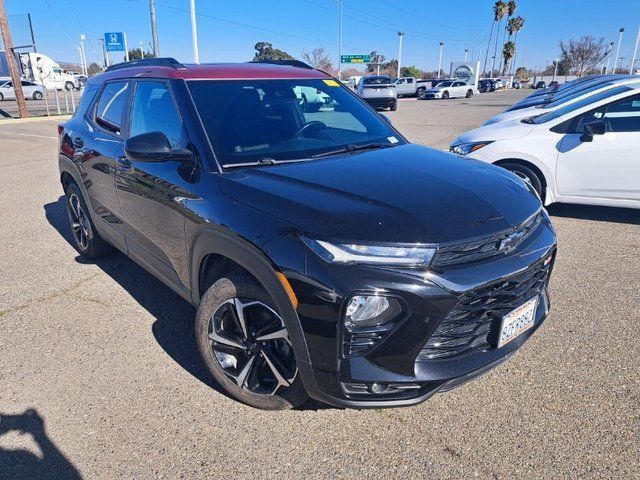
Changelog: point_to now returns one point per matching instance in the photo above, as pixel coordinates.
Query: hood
(515, 115)
(403, 194)
(505, 130)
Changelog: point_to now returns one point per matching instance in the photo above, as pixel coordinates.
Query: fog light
(370, 311)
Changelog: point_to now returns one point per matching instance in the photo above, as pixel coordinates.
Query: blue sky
(228, 30)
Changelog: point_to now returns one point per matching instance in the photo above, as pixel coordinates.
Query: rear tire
(528, 175)
(445, 95)
(69, 86)
(86, 238)
(394, 107)
(469, 93)
(420, 92)
(234, 313)
(1, 97)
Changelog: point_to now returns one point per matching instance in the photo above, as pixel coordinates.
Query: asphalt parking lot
(104, 354)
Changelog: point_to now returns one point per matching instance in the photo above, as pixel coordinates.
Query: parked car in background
(327, 256)
(411, 86)
(379, 91)
(541, 84)
(584, 152)
(80, 79)
(486, 85)
(553, 84)
(30, 90)
(579, 93)
(516, 84)
(448, 89)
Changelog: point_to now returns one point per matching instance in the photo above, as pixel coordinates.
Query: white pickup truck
(411, 86)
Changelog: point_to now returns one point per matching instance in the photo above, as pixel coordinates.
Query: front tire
(1, 97)
(69, 86)
(245, 345)
(37, 95)
(394, 107)
(469, 93)
(445, 95)
(528, 175)
(86, 239)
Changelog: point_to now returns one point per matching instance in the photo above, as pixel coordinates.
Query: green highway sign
(355, 59)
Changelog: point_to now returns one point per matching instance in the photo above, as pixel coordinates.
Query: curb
(7, 121)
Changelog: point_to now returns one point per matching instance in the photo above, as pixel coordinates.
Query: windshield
(567, 97)
(444, 84)
(376, 80)
(579, 104)
(279, 120)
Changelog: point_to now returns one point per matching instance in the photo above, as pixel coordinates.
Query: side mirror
(597, 127)
(153, 147)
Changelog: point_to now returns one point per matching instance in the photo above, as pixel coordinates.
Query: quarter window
(155, 111)
(111, 106)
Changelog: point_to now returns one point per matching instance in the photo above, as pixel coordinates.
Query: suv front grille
(473, 323)
(486, 247)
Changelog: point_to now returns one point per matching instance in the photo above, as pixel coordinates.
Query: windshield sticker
(331, 83)
(392, 139)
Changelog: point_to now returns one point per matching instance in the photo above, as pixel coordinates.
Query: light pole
(154, 28)
(440, 60)
(340, 41)
(606, 68)
(194, 31)
(635, 51)
(141, 50)
(400, 37)
(466, 52)
(615, 62)
(555, 69)
(83, 56)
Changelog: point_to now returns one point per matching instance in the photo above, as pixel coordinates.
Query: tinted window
(7, 85)
(154, 111)
(27, 84)
(620, 116)
(250, 120)
(381, 80)
(579, 104)
(86, 99)
(111, 106)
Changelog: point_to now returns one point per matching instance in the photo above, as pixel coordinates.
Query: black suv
(326, 255)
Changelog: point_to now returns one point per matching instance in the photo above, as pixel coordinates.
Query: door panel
(608, 166)
(152, 193)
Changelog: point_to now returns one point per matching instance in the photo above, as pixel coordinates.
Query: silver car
(379, 91)
(31, 90)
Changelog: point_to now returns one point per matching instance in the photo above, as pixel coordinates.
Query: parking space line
(28, 135)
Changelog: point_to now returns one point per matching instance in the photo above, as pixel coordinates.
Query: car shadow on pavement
(173, 328)
(22, 463)
(599, 214)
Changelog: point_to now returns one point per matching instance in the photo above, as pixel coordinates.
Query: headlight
(406, 255)
(467, 148)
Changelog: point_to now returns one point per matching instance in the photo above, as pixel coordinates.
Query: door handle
(123, 162)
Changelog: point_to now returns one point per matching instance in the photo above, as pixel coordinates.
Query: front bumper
(404, 358)
(428, 95)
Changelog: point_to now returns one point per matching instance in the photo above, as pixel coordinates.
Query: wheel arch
(222, 250)
(542, 171)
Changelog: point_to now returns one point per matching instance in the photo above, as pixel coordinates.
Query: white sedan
(29, 89)
(585, 152)
(448, 89)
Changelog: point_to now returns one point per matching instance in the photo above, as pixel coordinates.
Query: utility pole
(440, 61)
(555, 70)
(33, 38)
(141, 50)
(615, 62)
(400, 37)
(126, 47)
(466, 52)
(11, 61)
(194, 31)
(105, 56)
(340, 41)
(83, 55)
(635, 51)
(154, 28)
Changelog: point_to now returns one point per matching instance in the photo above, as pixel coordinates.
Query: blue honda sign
(114, 41)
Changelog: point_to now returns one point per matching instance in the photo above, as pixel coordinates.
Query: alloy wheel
(251, 345)
(79, 222)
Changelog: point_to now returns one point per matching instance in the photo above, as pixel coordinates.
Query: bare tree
(583, 55)
(320, 59)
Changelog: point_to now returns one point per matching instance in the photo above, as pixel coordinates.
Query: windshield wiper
(261, 162)
(352, 148)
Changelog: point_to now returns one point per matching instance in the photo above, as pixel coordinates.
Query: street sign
(355, 59)
(114, 41)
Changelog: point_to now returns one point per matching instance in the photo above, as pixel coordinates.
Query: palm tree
(499, 11)
(508, 52)
(514, 26)
(511, 8)
(497, 8)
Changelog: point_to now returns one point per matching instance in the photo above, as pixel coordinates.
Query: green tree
(376, 58)
(514, 25)
(134, 54)
(265, 52)
(511, 8)
(499, 11)
(508, 51)
(411, 72)
(522, 73)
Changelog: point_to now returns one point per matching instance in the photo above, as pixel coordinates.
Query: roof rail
(290, 63)
(148, 62)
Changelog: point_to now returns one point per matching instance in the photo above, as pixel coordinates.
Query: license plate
(517, 321)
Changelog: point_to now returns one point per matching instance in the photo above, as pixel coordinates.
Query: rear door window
(111, 106)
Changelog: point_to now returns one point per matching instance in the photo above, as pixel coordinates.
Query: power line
(60, 21)
(413, 15)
